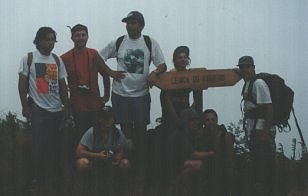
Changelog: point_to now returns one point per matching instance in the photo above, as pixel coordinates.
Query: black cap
(245, 60)
(105, 112)
(79, 27)
(181, 49)
(134, 15)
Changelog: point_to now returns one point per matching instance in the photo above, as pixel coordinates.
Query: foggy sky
(218, 32)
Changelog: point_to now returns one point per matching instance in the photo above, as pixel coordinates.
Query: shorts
(131, 109)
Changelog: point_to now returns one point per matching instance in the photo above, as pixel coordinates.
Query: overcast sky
(218, 32)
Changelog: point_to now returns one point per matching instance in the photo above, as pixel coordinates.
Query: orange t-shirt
(82, 71)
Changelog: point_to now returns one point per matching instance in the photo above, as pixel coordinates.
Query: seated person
(192, 153)
(221, 143)
(103, 148)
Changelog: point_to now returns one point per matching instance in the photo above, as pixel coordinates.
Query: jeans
(46, 143)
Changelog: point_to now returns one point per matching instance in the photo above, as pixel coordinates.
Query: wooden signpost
(197, 79)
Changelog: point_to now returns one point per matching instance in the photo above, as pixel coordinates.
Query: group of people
(196, 137)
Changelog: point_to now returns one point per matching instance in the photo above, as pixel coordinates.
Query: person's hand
(117, 75)
(117, 158)
(238, 71)
(103, 155)
(104, 100)
(125, 164)
(26, 111)
(187, 163)
(152, 79)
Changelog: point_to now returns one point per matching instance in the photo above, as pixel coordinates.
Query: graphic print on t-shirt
(134, 61)
(46, 78)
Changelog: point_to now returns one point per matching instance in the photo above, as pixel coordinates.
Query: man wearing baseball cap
(134, 15)
(258, 126)
(130, 96)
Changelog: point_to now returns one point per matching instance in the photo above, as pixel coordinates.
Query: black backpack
(281, 95)
(147, 40)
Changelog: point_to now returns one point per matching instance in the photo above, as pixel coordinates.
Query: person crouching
(103, 153)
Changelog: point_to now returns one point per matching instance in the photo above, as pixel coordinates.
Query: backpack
(146, 38)
(281, 95)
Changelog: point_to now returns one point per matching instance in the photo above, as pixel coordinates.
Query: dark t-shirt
(179, 99)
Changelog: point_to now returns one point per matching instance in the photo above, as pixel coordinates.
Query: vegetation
(291, 174)
(16, 165)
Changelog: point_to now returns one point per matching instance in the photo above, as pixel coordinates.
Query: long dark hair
(41, 34)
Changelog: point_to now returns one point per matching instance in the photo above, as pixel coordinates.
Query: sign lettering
(198, 78)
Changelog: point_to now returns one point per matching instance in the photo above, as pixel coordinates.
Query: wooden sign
(197, 78)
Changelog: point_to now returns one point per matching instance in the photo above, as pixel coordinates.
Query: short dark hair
(208, 111)
(41, 34)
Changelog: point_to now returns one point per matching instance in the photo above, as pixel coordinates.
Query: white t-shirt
(44, 80)
(133, 57)
(261, 94)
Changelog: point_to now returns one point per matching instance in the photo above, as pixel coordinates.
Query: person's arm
(198, 100)
(106, 81)
(118, 158)
(264, 102)
(268, 119)
(161, 68)
(64, 97)
(23, 88)
(170, 107)
(83, 152)
(118, 75)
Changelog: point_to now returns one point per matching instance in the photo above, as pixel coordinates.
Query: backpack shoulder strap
(29, 60)
(148, 43)
(56, 59)
(119, 42)
(248, 96)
